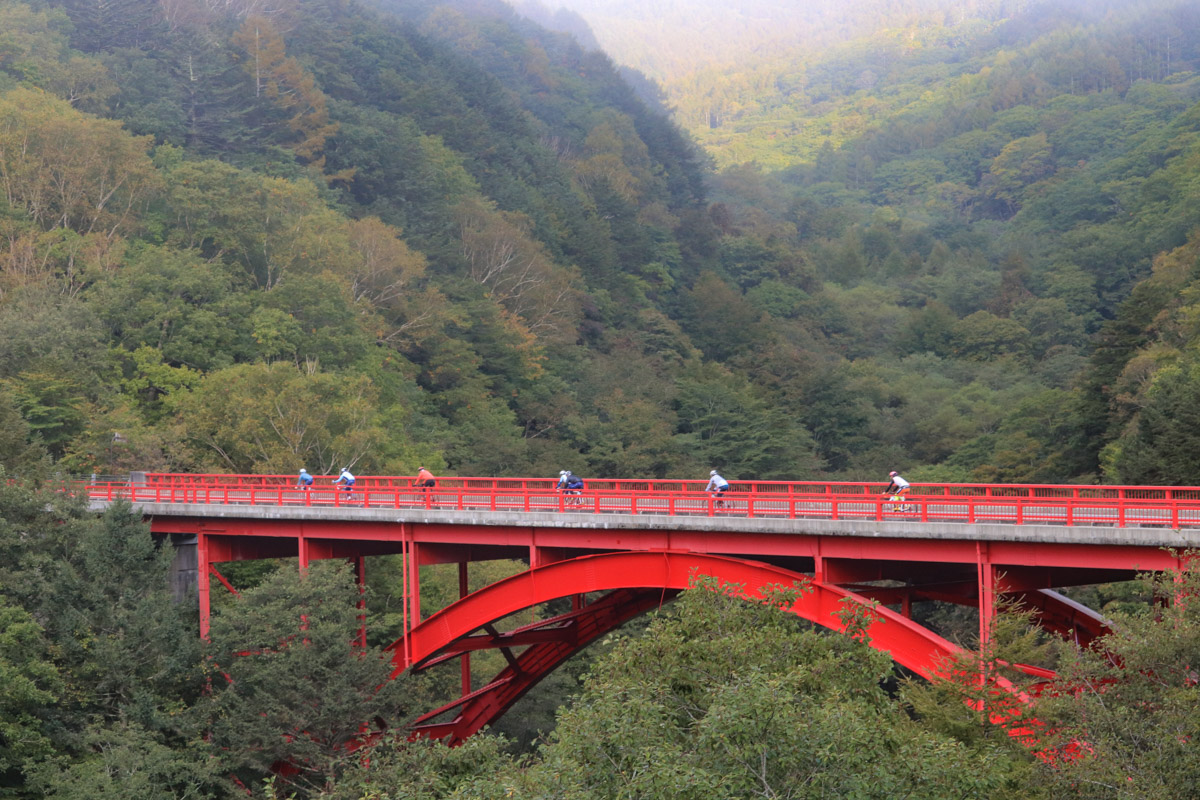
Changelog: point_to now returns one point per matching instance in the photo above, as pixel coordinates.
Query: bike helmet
(893, 474)
(711, 473)
(303, 471)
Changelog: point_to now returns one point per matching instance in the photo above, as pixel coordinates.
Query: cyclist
(570, 484)
(717, 486)
(425, 478)
(345, 480)
(898, 488)
(304, 481)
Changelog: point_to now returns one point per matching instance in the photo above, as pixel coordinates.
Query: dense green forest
(254, 239)
(264, 234)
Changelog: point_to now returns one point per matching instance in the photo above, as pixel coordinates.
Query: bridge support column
(202, 580)
(412, 564)
(408, 580)
(540, 556)
(184, 572)
(308, 551)
(987, 592)
(464, 589)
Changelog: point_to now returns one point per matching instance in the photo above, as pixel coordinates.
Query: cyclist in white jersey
(897, 489)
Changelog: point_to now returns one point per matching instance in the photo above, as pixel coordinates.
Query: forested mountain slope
(399, 226)
(987, 185)
(265, 236)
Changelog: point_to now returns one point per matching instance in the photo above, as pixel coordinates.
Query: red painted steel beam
(1073, 621)
(555, 629)
(489, 703)
(909, 644)
(850, 557)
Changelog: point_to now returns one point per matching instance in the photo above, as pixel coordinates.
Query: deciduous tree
(275, 418)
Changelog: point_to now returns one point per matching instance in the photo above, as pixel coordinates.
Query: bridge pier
(464, 589)
(184, 570)
(987, 593)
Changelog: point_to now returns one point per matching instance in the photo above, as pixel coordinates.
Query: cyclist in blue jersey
(345, 480)
(304, 481)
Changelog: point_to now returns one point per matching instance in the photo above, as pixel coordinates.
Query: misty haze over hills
(669, 38)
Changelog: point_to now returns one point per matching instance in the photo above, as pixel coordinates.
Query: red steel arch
(636, 581)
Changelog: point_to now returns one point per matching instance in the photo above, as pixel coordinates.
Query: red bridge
(625, 547)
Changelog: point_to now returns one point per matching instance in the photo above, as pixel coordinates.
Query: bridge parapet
(1121, 507)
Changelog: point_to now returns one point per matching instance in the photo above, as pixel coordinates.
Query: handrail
(660, 485)
(1115, 506)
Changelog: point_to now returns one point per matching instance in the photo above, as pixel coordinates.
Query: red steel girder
(909, 644)
(1062, 615)
(562, 628)
(487, 704)
(1052, 611)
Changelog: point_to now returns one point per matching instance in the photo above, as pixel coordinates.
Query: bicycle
(899, 505)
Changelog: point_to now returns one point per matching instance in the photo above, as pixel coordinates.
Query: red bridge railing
(1118, 506)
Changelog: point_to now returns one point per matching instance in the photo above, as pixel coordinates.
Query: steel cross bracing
(632, 545)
